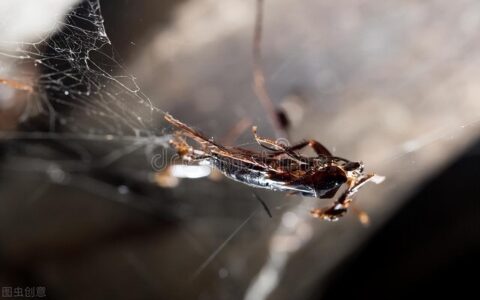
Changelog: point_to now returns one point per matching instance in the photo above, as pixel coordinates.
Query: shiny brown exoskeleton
(279, 168)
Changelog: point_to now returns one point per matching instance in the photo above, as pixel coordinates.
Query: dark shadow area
(428, 249)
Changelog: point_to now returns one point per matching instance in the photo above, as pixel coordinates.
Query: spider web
(79, 87)
(86, 116)
(73, 95)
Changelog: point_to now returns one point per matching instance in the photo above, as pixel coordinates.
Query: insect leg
(336, 210)
(298, 146)
(319, 149)
(341, 205)
(267, 143)
(184, 150)
(275, 147)
(180, 145)
(332, 213)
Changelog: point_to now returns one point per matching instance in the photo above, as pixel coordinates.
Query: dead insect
(279, 168)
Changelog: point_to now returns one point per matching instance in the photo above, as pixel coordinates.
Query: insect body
(279, 168)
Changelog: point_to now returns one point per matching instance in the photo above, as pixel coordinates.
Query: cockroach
(279, 168)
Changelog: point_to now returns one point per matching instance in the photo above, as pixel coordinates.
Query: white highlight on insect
(377, 179)
(185, 171)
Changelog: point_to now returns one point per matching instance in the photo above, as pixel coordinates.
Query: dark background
(428, 249)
